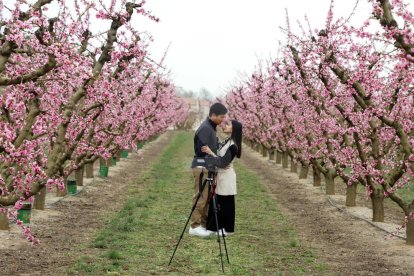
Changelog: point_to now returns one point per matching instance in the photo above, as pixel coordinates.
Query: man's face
(217, 119)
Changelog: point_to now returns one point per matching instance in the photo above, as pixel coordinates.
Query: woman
(226, 181)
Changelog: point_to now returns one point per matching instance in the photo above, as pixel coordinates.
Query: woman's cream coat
(226, 181)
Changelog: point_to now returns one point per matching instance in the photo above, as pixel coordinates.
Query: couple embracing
(207, 143)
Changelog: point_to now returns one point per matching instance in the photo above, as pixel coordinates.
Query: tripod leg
(224, 237)
(222, 233)
(225, 246)
(218, 229)
(189, 217)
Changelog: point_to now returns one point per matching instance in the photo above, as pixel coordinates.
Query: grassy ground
(140, 239)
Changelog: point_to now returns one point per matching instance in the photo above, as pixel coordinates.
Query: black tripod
(211, 182)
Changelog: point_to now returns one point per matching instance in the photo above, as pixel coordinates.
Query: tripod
(211, 181)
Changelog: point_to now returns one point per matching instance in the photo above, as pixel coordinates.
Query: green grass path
(140, 239)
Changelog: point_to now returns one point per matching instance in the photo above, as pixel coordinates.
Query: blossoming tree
(69, 95)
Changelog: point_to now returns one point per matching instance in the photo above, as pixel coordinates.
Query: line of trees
(340, 100)
(69, 96)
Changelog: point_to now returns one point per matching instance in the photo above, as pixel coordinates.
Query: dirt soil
(73, 220)
(347, 245)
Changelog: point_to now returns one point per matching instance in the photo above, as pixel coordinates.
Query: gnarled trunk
(63, 192)
(304, 170)
(65, 188)
(278, 157)
(79, 176)
(330, 182)
(102, 162)
(89, 170)
(351, 193)
(40, 199)
(285, 160)
(316, 177)
(109, 162)
(264, 151)
(293, 165)
(377, 199)
(410, 229)
(4, 221)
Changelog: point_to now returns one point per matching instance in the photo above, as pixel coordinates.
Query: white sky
(212, 41)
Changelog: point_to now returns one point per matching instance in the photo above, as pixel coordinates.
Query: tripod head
(211, 163)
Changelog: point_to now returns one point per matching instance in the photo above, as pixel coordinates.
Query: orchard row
(70, 94)
(340, 100)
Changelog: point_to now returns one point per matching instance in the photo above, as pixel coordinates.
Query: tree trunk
(109, 162)
(264, 151)
(351, 193)
(257, 147)
(272, 155)
(89, 170)
(316, 177)
(64, 191)
(377, 199)
(40, 199)
(118, 156)
(304, 170)
(285, 160)
(330, 183)
(293, 165)
(79, 176)
(4, 221)
(410, 230)
(102, 162)
(278, 157)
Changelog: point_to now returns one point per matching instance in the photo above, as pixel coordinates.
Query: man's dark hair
(218, 109)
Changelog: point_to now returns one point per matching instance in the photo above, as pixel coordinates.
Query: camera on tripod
(211, 163)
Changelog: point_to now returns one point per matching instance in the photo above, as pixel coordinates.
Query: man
(205, 136)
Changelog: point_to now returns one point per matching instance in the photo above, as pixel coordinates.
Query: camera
(211, 163)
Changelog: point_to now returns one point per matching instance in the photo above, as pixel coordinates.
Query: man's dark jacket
(205, 136)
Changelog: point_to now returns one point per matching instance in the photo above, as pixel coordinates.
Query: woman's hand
(207, 150)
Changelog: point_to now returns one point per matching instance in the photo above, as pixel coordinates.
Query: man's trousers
(199, 216)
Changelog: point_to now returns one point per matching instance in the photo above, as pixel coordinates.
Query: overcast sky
(212, 41)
